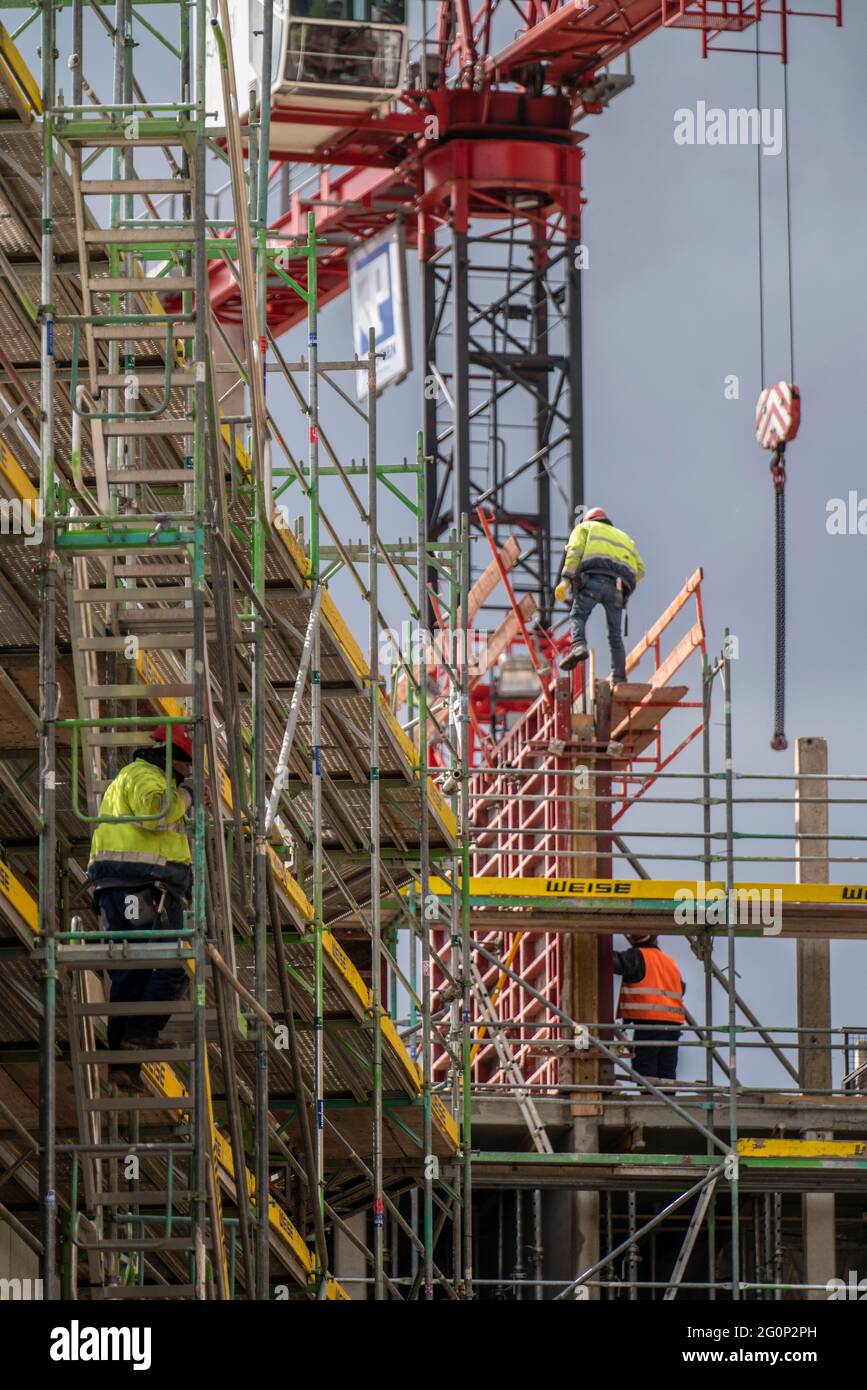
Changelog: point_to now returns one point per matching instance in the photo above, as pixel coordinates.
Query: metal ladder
(146, 1211)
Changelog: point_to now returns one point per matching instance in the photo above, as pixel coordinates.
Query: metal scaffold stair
(146, 1214)
(136, 1188)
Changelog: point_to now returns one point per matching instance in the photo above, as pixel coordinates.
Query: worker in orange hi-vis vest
(651, 999)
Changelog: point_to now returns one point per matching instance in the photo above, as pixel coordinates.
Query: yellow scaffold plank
(13, 475)
(644, 889)
(20, 906)
(802, 1148)
(18, 79)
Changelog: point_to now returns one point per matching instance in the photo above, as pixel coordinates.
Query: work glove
(562, 591)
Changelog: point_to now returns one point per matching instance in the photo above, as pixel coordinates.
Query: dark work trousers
(650, 1059)
(139, 986)
(601, 589)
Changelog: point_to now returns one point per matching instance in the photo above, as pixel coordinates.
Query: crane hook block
(778, 415)
(778, 419)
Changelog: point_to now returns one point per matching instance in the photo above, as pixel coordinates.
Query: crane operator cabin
(346, 55)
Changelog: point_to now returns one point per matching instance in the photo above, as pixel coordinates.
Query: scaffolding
(544, 1030)
(406, 882)
(162, 547)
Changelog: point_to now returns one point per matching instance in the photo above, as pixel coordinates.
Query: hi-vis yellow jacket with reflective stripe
(658, 998)
(595, 547)
(139, 789)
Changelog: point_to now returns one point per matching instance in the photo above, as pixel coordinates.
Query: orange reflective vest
(658, 998)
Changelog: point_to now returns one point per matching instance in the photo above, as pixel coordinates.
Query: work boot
(140, 1039)
(148, 1040)
(577, 652)
(126, 1076)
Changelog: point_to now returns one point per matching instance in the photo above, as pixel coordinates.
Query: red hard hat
(180, 742)
(596, 514)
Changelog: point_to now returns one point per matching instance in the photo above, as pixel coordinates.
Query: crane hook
(778, 418)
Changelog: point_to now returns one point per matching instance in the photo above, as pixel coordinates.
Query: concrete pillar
(570, 1220)
(585, 1139)
(579, 1234)
(349, 1263)
(814, 1000)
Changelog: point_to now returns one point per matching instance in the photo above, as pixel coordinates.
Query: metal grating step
(168, 619)
(179, 569)
(153, 1055)
(96, 186)
(105, 1009)
(120, 332)
(139, 957)
(149, 641)
(179, 691)
(161, 425)
(144, 1291)
(134, 593)
(142, 1198)
(123, 236)
(113, 1104)
(146, 377)
(145, 1243)
(150, 476)
(140, 284)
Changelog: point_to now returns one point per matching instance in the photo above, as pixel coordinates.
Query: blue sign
(377, 285)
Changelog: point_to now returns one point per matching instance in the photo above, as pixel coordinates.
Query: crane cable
(777, 464)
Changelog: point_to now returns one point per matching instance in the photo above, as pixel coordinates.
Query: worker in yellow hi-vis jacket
(140, 875)
(602, 565)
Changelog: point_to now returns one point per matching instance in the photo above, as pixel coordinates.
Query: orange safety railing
(641, 729)
(520, 808)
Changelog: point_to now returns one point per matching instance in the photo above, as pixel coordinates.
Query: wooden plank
(139, 236)
(628, 693)
(505, 634)
(141, 284)
(136, 186)
(510, 554)
(638, 728)
(673, 662)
